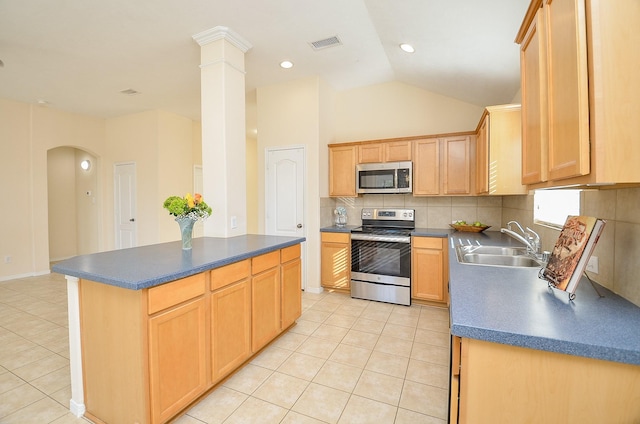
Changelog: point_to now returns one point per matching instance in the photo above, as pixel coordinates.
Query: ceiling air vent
(327, 42)
(130, 92)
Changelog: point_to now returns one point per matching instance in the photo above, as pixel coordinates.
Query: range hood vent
(327, 42)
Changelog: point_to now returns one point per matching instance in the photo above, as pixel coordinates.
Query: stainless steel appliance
(381, 256)
(388, 177)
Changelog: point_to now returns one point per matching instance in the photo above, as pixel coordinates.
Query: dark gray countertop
(147, 266)
(336, 229)
(513, 306)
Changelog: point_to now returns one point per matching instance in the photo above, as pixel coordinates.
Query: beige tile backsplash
(618, 250)
(431, 212)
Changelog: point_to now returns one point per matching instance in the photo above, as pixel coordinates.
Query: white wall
(87, 208)
(16, 229)
(131, 138)
(252, 186)
(74, 215)
(61, 179)
(165, 147)
(289, 114)
(50, 128)
(161, 144)
(395, 109)
(175, 168)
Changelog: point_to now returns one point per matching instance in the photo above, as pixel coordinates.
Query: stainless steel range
(381, 256)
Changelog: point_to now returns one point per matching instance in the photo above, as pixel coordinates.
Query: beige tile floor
(346, 361)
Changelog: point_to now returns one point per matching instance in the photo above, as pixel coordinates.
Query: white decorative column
(76, 404)
(223, 130)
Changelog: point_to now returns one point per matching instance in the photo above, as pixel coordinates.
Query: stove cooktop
(387, 221)
(366, 229)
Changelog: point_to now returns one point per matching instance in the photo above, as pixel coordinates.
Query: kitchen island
(153, 328)
(522, 352)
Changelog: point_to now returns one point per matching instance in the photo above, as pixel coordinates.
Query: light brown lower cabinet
(497, 383)
(430, 269)
(177, 354)
(148, 354)
(291, 276)
(265, 299)
(335, 258)
(230, 318)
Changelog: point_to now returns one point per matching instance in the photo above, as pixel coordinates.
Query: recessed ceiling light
(407, 48)
(286, 64)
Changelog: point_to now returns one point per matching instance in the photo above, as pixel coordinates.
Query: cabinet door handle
(299, 225)
(132, 220)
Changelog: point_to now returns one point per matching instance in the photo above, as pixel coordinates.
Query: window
(551, 207)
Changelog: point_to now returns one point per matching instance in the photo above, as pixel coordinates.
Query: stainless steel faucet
(529, 238)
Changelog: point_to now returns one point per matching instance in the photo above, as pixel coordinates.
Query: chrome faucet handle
(535, 240)
(534, 233)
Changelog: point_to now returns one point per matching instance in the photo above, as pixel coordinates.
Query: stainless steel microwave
(387, 177)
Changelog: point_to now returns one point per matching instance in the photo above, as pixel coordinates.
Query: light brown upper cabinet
(442, 166)
(392, 151)
(579, 70)
(533, 69)
(371, 153)
(498, 151)
(342, 171)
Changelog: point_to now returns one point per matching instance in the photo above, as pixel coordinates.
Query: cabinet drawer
(264, 262)
(427, 242)
(290, 253)
(336, 237)
(231, 273)
(175, 292)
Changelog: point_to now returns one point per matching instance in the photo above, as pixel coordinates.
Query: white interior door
(124, 188)
(284, 192)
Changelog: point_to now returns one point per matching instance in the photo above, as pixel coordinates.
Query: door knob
(299, 225)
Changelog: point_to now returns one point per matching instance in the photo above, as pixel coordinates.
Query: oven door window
(383, 178)
(381, 258)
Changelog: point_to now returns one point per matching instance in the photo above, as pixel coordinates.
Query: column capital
(222, 33)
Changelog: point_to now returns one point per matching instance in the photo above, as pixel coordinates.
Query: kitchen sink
(493, 250)
(496, 256)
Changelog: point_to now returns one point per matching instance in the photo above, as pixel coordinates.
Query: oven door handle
(378, 237)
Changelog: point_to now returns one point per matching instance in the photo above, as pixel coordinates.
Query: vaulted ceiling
(78, 55)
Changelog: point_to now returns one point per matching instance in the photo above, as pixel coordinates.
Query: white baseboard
(316, 290)
(26, 275)
(77, 409)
